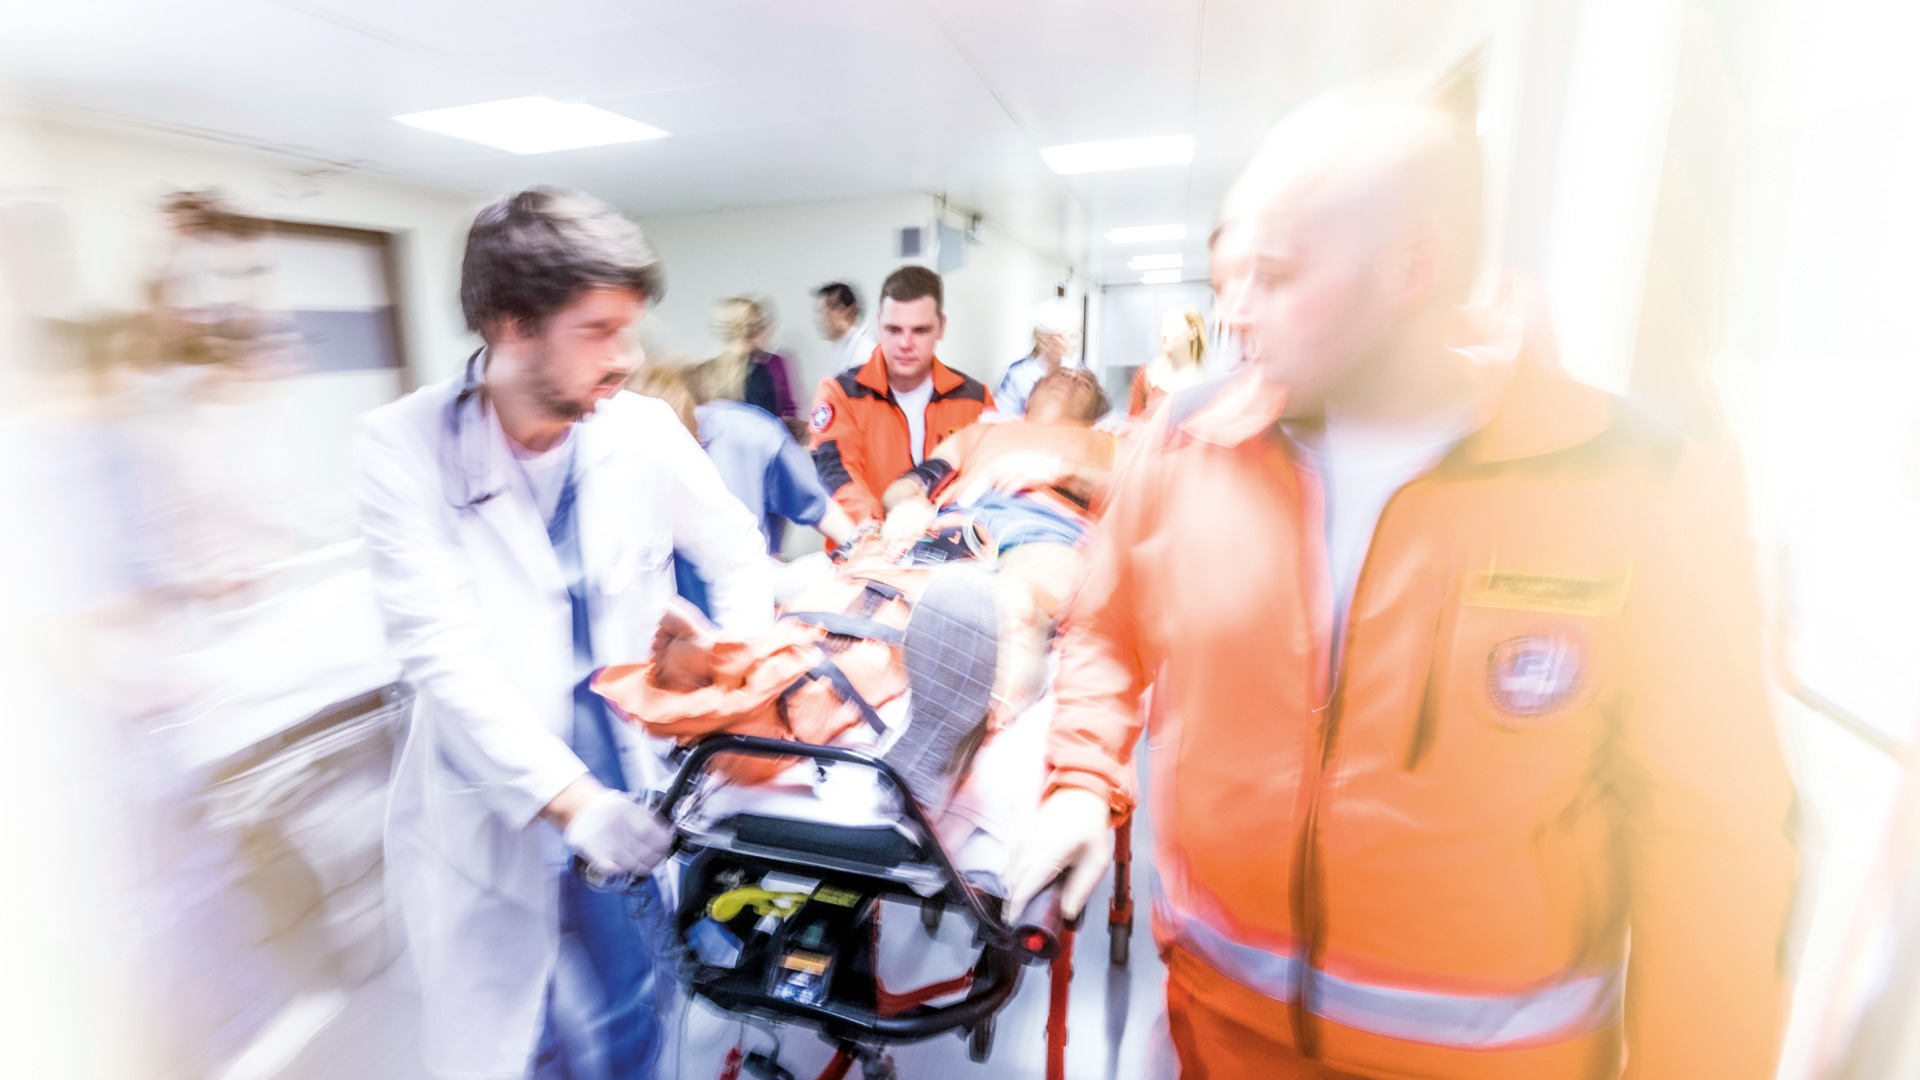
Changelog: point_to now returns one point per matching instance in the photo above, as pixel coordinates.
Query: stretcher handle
(755, 746)
(1040, 927)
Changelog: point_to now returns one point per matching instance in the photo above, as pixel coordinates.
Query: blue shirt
(762, 466)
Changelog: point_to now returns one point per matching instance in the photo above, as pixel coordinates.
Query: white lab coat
(477, 611)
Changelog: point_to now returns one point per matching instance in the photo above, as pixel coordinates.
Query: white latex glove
(908, 520)
(618, 836)
(1073, 832)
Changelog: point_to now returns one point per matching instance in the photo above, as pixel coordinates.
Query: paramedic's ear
(1070, 834)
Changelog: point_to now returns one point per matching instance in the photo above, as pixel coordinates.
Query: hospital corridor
(934, 539)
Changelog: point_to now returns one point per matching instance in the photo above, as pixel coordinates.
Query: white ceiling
(781, 101)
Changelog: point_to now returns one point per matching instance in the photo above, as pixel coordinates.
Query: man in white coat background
(521, 520)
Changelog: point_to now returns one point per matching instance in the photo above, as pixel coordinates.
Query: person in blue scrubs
(759, 462)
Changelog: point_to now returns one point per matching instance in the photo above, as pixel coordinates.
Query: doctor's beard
(545, 385)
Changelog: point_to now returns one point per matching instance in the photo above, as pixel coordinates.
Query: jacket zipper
(1306, 895)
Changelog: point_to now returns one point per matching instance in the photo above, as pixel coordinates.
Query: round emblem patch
(1532, 676)
(822, 416)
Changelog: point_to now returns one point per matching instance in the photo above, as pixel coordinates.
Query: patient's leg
(1033, 581)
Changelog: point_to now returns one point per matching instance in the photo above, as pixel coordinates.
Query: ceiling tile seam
(344, 22)
(401, 41)
(974, 67)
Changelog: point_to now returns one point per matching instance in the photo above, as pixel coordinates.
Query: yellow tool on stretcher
(763, 902)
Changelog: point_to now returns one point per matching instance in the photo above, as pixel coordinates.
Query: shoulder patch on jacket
(822, 416)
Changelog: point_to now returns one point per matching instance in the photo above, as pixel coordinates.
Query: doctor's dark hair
(535, 251)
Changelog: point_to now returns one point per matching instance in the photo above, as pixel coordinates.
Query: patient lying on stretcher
(1032, 486)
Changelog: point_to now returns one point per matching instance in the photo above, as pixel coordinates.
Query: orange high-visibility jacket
(860, 437)
(1550, 732)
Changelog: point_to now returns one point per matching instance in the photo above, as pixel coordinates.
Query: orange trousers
(1214, 1046)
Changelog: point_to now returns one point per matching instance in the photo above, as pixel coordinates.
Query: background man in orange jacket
(877, 421)
(1456, 671)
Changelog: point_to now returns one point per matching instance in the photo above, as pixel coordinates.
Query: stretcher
(778, 917)
(802, 895)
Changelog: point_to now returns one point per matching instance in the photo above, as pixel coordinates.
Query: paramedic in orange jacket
(1456, 667)
(883, 418)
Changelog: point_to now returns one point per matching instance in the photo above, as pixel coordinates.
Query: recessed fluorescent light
(1146, 234)
(1119, 154)
(533, 125)
(1155, 262)
(1160, 277)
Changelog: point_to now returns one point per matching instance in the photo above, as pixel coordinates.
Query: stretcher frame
(1039, 935)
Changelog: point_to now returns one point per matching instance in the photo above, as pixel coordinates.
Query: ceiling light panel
(1146, 234)
(1160, 277)
(1155, 262)
(533, 125)
(1119, 154)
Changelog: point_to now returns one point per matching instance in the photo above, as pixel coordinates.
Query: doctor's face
(580, 357)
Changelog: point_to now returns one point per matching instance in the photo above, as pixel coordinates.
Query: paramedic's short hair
(1078, 388)
(910, 283)
(840, 295)
(535, 251)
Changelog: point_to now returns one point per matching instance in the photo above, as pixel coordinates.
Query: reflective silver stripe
(1255, 968)
(1566, 1010)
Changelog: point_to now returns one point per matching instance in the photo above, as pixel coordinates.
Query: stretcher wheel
(980, 1041)
(1119, 943)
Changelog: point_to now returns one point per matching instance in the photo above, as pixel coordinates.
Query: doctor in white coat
(521, 520)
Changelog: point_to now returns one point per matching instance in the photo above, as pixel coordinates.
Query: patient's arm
(1082, 483)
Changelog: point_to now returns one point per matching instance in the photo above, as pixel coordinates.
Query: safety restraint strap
(843, 689)
(850, 626)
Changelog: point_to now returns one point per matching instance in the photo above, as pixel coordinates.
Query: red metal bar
(1120, 913)
(1060, 978)
(836, 1069)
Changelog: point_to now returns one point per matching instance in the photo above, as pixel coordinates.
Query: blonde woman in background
(744, 370)
(1181, 363)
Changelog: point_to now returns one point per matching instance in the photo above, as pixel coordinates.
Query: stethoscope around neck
(460, 486)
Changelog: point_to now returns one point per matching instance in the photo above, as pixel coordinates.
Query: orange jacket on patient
(790, 682)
